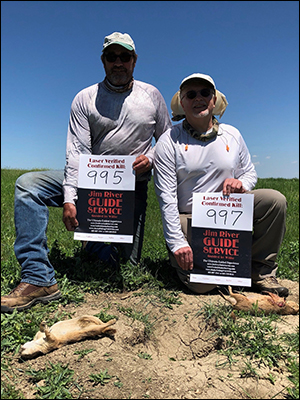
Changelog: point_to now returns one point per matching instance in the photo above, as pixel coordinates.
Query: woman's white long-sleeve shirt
(104, 122)
(184, 165)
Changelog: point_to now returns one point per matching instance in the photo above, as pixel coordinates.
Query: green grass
(78, 273)
(58, 380)
(288, 258)
(256, 340)
(66, 255)
(102, 377)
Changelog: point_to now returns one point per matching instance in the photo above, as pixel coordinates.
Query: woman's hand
(232, 185)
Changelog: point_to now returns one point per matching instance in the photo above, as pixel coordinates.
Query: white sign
(106, 196)
(221, 238)
(106, 172)
(213, 210)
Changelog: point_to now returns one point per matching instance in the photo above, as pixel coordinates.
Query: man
(118, 116)
(201, 155)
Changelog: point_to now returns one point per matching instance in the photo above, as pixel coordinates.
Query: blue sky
(50, 50)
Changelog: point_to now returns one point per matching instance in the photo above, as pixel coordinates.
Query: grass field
(64, 249)
(78, 273)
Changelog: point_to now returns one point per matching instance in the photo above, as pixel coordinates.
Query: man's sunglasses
(191, 94)
(112, 57)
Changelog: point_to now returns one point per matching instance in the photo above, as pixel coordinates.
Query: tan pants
(269, 218)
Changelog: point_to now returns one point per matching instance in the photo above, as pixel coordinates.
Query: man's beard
(119, 77)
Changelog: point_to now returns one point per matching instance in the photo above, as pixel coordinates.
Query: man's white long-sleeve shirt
(184, 165)
(104, 122)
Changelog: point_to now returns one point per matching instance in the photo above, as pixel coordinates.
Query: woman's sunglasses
(112, 57)
(191, 94)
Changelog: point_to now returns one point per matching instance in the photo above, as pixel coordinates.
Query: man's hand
(232, 185)
(141, 164)
(69, 216)
(184, 258)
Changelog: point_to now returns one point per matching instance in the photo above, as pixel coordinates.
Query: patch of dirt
(179, 359)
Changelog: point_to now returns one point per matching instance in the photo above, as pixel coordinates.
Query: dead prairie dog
(269, 303)
(64, 332)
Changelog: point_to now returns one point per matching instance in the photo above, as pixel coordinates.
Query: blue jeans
(34, 193)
